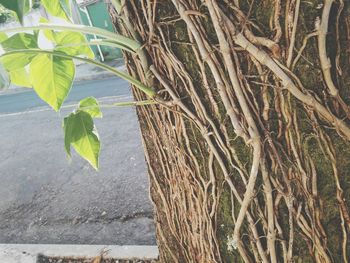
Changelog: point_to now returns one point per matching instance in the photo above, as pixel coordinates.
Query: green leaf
(20, 41)
(15, 65)
(80, 132)
(52, 77)
(91, 106)
(16, 61)
(20, 7)
(49, 34)
(20, 77)
(69, 42)
(3, 36)
(55, 8)
(73, 43)
(147, 90)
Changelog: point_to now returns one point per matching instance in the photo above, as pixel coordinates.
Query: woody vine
(248, 147)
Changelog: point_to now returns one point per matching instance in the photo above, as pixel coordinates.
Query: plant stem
(147, 90)
(134, 45)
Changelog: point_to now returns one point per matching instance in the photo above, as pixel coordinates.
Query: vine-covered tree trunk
(248, 147)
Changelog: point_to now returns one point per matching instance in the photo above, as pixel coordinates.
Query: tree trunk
(248, 147)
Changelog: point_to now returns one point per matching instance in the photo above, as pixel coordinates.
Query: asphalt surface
(44, 198)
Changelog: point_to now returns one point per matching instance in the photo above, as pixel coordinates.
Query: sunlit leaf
(91, 106)
(147, 90)
(80, 132)
(16, 61)
(20, 77)
(15, 65)
(48, 33)
(55, 8)
(52, 77)
(69, 42)
(3, 36)
(20, 41)
(72, 43)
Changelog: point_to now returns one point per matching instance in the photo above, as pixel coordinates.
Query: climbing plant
(249, 156)
(247, 144)
(50, 72)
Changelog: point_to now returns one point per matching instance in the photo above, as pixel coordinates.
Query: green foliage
(3, 37)
(90, 105)
(56, 8)
(16, 67)
(36, 4)
(5, 15)
(20, 41)
(20, 7)
(52, 78)
(20, 77)
(16, 61)
(80, 132)
(72, 43)
(69, 42)
(51, 72)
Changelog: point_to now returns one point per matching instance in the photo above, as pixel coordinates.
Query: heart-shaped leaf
(20, 77)
(91, 106)
(16, 61)
(80, 132)
(20, 41)
(72, 43)
(52, 77)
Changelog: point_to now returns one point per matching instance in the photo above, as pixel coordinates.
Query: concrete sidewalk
(45, 199)
(21, 253)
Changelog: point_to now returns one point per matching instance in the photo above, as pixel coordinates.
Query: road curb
(28, 253)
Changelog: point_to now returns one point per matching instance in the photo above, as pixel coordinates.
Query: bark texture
(248, 147)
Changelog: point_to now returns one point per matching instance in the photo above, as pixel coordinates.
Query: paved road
(46, 199)
(27, 99)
